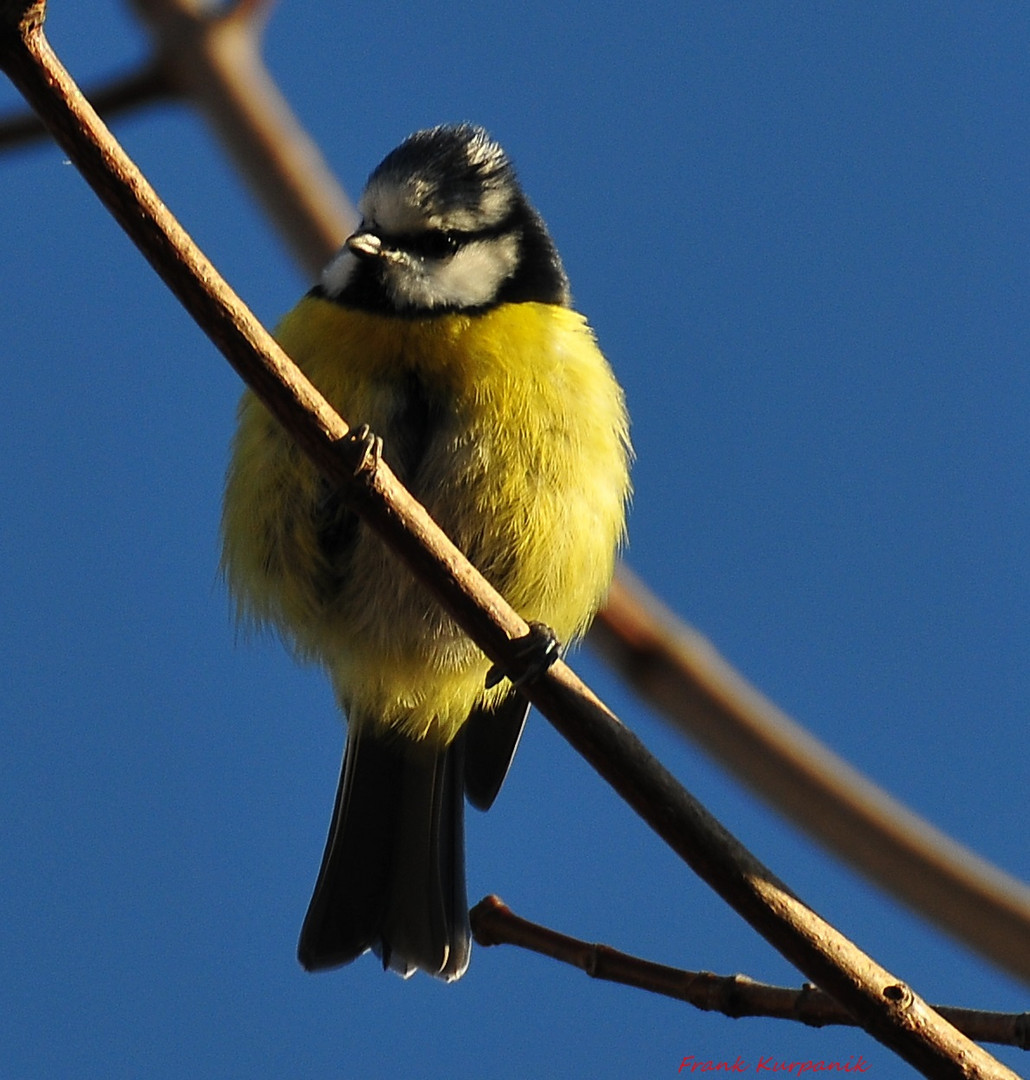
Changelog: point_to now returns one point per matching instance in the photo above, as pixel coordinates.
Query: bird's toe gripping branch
(533, 655)
(364, 451)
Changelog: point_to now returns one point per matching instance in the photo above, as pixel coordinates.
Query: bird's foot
(533, 654)
(364, 450)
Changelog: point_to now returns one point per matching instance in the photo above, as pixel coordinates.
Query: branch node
(810, 1006)
(899, 995)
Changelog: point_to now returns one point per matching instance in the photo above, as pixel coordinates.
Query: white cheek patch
(470, 278)
(338, 272)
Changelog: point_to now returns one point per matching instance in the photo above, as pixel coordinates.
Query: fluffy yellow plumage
(528, 479)
(444, 325)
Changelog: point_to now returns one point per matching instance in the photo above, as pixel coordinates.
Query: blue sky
(801, 232)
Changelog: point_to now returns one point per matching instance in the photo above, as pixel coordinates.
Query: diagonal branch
(886, 1008)
(679, 673)
(146, 86)
(212, 57)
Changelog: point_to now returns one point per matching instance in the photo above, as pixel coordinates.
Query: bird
(443, 331)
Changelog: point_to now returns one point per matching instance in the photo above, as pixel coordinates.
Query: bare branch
(214, 60)
(679, 673)
(886, 1008)
(494, 923)
(144, 87)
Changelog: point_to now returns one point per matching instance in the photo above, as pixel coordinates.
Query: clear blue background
(801, 231)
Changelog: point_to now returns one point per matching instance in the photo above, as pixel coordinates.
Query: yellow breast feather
(526, 469)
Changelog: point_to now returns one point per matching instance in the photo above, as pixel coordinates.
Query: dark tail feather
(393, 872)
(491, 739)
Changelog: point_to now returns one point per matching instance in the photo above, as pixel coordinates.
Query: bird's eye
(435, 243)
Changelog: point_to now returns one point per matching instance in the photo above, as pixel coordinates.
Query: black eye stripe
(434, 243)
(439, 243)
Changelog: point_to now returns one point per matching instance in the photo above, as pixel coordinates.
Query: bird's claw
(534, 654)
(365, 448)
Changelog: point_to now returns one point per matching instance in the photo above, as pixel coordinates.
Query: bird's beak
(365, 245)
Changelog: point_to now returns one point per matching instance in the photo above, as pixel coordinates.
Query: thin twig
(886, 1008)
(494, 923)
(146, 86)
